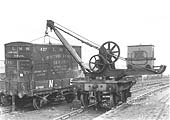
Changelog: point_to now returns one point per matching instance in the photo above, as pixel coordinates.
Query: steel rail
(163, 106)
(149, 86)
(78, 111)
(73, 113)
(118, 108)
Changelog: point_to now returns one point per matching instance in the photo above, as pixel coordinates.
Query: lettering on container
(50, 83)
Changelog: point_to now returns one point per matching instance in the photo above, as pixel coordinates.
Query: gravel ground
(145, 109)
(87, 115)
(135, 111)
(43, 114)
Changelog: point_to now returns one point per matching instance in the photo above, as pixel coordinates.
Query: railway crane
(103, 83)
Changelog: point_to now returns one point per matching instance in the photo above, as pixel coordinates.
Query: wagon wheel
(96, 63)
(5, 100)
(84, 99)
(99, 98)
(37, 103)
(112, 100)
(69, 98)
(125, 94)
(111, 51)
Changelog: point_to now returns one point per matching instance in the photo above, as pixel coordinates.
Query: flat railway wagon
(103, 84)
(38, 73)
(140, 56)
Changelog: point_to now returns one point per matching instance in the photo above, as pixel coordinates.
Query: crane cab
(140, 56)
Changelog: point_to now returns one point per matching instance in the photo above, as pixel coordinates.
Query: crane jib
(67, 46)
(102, 64)
(50, 24)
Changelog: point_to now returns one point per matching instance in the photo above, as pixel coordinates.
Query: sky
(126, 22)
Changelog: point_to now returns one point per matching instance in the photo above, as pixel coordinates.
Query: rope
(37, 39)
(43, 37)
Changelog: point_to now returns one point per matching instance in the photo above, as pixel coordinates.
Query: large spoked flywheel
(110, 50)
(96, 63)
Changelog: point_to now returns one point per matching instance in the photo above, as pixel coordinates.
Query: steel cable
(77, 35)
(37, 39)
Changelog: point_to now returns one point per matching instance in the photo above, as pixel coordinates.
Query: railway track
(163, 107)
(149, 86)
(81, 110)
(89, 111)
(145, 83)
(73, 113)
(89, 116)
(132, 101)
(157, 113)
(5, 110)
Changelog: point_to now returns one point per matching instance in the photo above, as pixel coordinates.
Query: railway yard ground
(149, 101)
(154, 106)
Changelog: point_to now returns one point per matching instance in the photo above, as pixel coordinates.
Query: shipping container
(35, 69)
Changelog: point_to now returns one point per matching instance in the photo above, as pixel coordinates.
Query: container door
(25, 77)
(18, 73)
